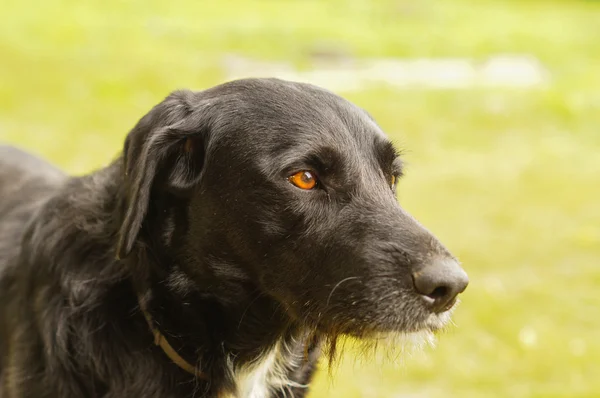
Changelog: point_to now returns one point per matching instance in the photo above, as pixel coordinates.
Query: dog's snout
(439, 282)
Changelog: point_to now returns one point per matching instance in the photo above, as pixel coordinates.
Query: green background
(508, 179)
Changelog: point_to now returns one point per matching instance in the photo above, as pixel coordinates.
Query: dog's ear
(164, 151)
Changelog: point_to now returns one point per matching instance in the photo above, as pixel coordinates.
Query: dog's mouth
(389, 339)
(412, 317)
(427, 321)
(437, 321)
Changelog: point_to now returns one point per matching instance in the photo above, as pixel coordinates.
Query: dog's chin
(416, 320)
(393, 335)
(393, 345)
(385, 331)
(436, 321)
(418, 335)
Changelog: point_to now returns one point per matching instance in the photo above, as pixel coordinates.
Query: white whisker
(338, 285)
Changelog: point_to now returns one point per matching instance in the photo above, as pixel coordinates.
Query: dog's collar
(167, 348)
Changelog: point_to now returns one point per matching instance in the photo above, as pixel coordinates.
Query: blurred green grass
(508, 179)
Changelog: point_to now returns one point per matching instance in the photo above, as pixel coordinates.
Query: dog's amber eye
(393, 182)
(303, 179)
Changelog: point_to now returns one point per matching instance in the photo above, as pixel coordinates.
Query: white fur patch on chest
(266, 374)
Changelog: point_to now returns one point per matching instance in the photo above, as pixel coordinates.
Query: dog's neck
(214, 317)
(161, 341)
(252, 346)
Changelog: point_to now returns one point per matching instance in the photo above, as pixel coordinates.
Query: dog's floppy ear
(164, 151)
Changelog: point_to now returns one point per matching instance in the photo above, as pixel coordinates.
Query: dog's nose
(439, 282)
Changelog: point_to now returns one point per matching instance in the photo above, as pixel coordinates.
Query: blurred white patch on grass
(528, 337)
(341, 73)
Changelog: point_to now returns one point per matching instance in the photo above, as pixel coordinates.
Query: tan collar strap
(162, 342)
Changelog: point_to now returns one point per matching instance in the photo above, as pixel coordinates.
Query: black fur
(198, 218)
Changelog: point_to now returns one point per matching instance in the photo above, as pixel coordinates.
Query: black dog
(242, 228)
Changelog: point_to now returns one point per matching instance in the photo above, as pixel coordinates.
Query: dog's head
(291, 189)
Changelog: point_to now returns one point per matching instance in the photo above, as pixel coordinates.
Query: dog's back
(25, 183)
